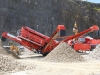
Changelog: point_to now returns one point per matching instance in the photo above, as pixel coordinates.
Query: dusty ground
(40, 67)
(48, 68)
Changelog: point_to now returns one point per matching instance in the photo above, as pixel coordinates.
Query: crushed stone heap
(2, 50)
(9, 65)
(95, 54)
(6, 52)
(63, 53)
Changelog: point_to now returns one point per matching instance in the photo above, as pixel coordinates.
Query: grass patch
(97, 8)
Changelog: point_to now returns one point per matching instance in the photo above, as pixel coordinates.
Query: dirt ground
(42, 67)
(52, 68)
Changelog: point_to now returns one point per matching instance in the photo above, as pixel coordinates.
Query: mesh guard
(62, 33)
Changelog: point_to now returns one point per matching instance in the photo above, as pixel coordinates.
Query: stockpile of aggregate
(2, 50)
(10, 65)
(7, 52)
(94, 55)
(63, 53)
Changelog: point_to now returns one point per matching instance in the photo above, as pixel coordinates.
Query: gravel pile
(63, 53)
(2, 50)
(94, 55)
(9, 65)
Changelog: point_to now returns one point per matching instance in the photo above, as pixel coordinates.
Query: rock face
(45, 15)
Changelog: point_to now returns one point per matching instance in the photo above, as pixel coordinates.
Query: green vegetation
(97, 8)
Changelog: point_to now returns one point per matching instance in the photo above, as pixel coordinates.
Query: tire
(91, 49)
(44, 54)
